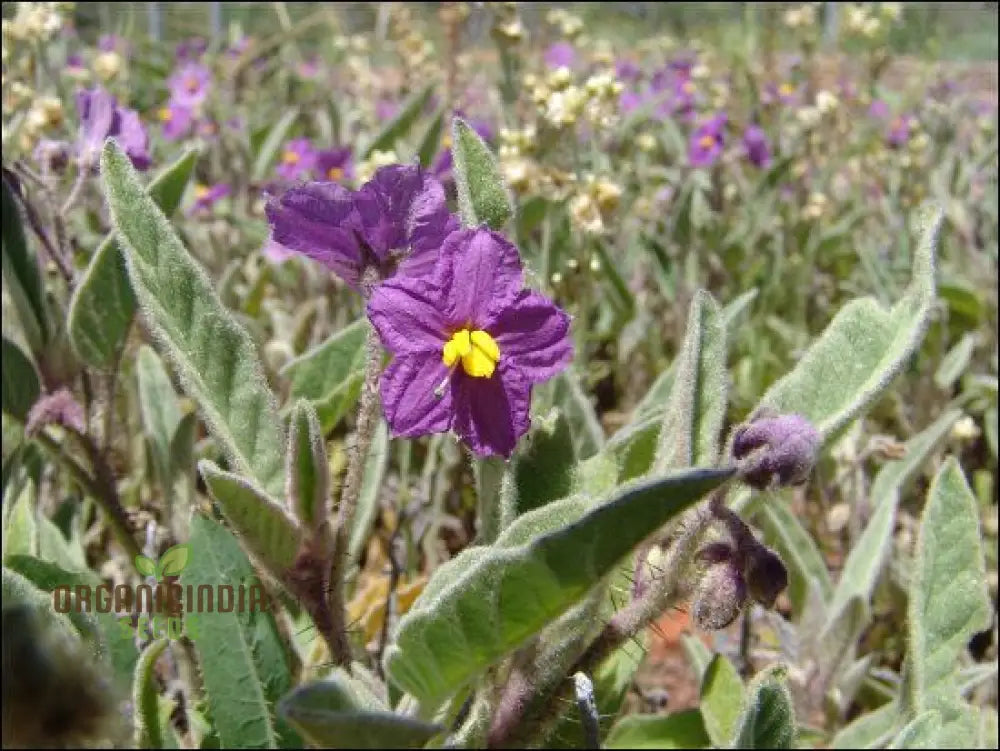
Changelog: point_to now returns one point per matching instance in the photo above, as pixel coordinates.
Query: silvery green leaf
(683, 729)
(767, 719)
(482, 196)
(145, 697)
(19, 381)
(308, 470)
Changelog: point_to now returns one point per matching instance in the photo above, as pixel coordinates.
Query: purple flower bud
(716, 552)
(721, 595)
(757, 149)
(58, 408)
(766, 575)
(776, 450)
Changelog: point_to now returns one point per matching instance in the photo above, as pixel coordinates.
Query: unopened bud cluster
(775, 451)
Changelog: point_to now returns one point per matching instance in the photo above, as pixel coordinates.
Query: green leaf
(721, 700)
(451, 634)
(948, 597)
(145, 566)
(20, 266)
(173, 560)
(430, 142)
(400, 125)
(678, 730)
(214, 357)
(482, 196)
(698, 656)
(866, 558)
(330, 715)
(330, 374)
(145, 698)
(308, 470)
(955, 362)
(871, 730)
(543, 466)
(837, 641)
(263, 524)
(270, 145)
(566, 393)
(103, 304)
(783, 531)
(696, 407)
(243, 663)
(20, 530)
(861, 351)
(921, 732)
(371, 486)
(161, 413)
(20, 382)
(767, 719)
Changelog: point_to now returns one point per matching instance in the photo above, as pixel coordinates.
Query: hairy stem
(587, 707)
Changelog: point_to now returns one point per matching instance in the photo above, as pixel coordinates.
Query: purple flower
(397, 221)
(101, 117)
(878, 109)
(787, 93)
(385, 109)
(276, 252)
(629, 101)
(626, 70)
(777, 450)
(757, 148)
(334, 165)
(111, 43)
(297, 160)
(177, 120)
(468, 343)
(899, 131)
(206, 197)
(74, 64)
(190, 84)
(706, 141)
(560, 55)
(190, 50)
(308, 69)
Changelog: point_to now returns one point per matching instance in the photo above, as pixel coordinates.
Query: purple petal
(409, 400)
(317, 220)
(479, 271)
(98, 112)
(425, 245)
(533, 334)
(132, 136)
(406, 313)
(491, 414)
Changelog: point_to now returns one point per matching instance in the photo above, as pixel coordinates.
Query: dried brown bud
(766, 575)
(720, 598)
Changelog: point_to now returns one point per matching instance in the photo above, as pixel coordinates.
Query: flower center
(191, 84)
(687, 87)
(706, 141)
(786, 89)
(290, 157)
(335, 173)
(165, 114)
(477, 350)
(200, 191)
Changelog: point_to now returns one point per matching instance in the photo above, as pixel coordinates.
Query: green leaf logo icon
(145, 565)
(173, 560)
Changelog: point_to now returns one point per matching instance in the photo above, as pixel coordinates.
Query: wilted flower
(190, 84)
(101, 117)
(776, 450)
(720, 597)
(468, 344)
(757, 148)
(205, 197)
(396, 222)
(706, 141)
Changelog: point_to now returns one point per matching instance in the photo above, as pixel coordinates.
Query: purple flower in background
(755, 143)
(787, 93)
(190, 84)
(385, 109)
(101, 117)
(205, 197)
(468, 343)
(335, 165)
(110, 43)
(706, 141)
(52, 155)
(878, 109)
(177, 120)
(629, 101)
(276, 252)
(396, 222)
(899, 131)
(238, 47)
(308, 69)
(560, 55)
(75, 65)
(626, 70)
(190, 50)
(297, 160)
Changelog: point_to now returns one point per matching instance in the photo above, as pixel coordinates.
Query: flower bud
(766, 575)
(775, 450)
(720, 598)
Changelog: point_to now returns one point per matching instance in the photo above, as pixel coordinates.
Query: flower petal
(411, 405)
(406, 313)
(533, 334)
(491, 414)
(479, 272)
(425, 245)
(317, 220)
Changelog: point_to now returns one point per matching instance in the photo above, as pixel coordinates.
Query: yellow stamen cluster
(477, 350)
(165, 114)
(290, 157)
(335, 173)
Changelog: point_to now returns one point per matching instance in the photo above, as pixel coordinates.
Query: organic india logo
(166, 607)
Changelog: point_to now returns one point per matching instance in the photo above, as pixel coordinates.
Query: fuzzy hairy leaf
(696, 407)
(721, 700)
(308, 470)
(19, 381)
(948, 597)
(870, 730)
(866, 558)
(767, 719)
(243, 663)
(544, 464)
(678, 730)
(482, 196)
(264, 525)
(158, 406)
(148, 732)
(329, 714)
(861, 351)
(213, 355)
(371, 486)
(921, 732)
(103, 304)
(565, 392)
(329, 375)
(512, 593)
